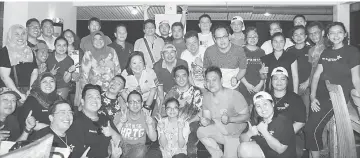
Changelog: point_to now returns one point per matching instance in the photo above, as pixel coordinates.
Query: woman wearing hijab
(42, 95)
(100, 63)
(18, 68)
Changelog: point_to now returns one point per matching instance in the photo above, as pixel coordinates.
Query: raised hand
(123, 117)
(145, 7)
(30, 121)
(107, 130)
(161, 123)
(116, 150)
(72, 68)
(53, 71)
(184, 8)
(253, 129)
(149, 120)
(4, 134)
(262, 127)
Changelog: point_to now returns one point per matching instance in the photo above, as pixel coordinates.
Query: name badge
(44, 110)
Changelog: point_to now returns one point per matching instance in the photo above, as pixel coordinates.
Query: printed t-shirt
(230, 62)
(206, 40)
(230, 101)
(39, 112)
(165, 77)
(147, 81)
(304, 66)
(122, 53)
(337, 65)
(291, 106)
(64, 65)
(196, 69)
(134, 131)
(23, 70)
(280, 128)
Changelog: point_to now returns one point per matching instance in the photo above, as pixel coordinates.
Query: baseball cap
(169, 47)
(164, 22)
(262, 95)
(280, 71)
(5, 90)
(238, 18)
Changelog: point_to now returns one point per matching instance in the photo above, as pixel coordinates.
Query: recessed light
(267, 14)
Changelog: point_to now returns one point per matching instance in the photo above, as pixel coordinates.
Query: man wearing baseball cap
(288, 103)
(237, 25)
(9, 125)
(163, 69)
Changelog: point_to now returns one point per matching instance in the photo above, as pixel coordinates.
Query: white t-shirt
(196, 69)
(50, 44)
(206, 40)
(268, 48)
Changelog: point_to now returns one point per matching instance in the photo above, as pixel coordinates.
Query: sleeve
(299, 110)
(4, 58)
(157, 72)
(82, 41)
(117, 69)
(240, 102)
(354, 59)
(284, 131)
(86, 66)
(242, 62)
(108, 40)
(323, 55)
(137, 45)
(154, 77)
(207, 61)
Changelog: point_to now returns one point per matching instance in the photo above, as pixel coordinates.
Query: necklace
(277, 100)
(65, 142)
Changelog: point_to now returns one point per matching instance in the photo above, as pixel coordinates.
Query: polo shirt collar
(164, 65)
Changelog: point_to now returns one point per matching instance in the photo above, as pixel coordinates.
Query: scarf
(44, 99)
(17, 54)
(97, 53)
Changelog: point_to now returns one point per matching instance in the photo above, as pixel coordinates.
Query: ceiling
(283, 13)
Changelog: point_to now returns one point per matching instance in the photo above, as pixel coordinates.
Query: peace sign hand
(123, 117)
(149, 119)
(72, 68)
(253, 129)
(161, 123)
(53, 71)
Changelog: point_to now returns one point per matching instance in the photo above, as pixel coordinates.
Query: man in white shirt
(205, 36)
(194, 56)
(274, 28)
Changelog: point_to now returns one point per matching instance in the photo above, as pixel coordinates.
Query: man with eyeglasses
(230, 58)
(33, 30)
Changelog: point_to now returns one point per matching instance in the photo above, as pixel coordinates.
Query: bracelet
(28, 131)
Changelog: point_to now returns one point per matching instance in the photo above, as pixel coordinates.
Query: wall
(20, 12)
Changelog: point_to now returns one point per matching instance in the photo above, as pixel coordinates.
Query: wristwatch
(28, 131)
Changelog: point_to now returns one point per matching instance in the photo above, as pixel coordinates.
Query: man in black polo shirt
(163, 69)
(122, 48)
(288, 103)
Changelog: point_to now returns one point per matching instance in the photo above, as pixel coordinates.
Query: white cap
(262, 95)
(238, 18)
(280, 71)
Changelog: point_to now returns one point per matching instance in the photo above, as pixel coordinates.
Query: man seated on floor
(224, 116)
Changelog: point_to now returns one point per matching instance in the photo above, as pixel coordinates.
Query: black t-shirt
(337, 65)
(304, 66)
(11, 124)
(285, 60)
(23, 70)
(88, 133)
(57, 142)
(282, 129)
(122, 53)
(39, 112)
(292, 106)
(253, 65)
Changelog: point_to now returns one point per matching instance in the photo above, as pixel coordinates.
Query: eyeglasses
(64, 113)
(222, 38)
(34, 27)
(168, 108)
(253, 37)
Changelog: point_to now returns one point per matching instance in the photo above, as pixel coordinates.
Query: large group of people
(168, 92)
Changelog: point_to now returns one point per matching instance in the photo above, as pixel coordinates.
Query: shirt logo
(92, 131)
(332, 59)
(286, 105)
(44, 110)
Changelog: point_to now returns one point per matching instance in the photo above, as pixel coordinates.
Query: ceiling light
(267, 14)
(134, 11)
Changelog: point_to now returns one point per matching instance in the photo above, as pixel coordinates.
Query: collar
(165, 66)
